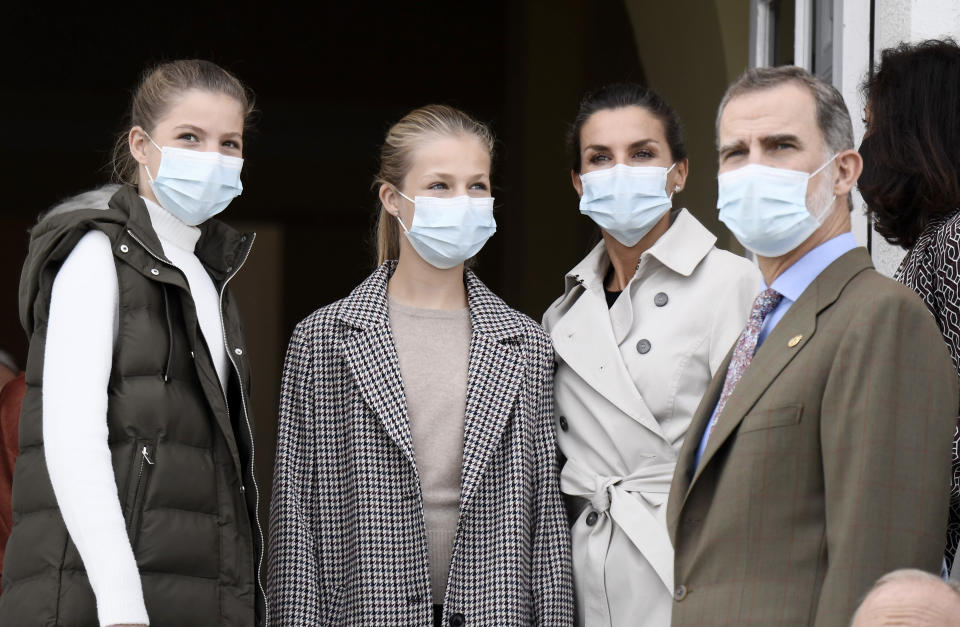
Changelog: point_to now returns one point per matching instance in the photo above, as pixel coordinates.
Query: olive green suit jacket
(829, 465)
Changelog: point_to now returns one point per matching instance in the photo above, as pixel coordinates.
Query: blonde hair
(158, 89)
(402, 139)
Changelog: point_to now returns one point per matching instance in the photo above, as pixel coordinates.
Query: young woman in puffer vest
(134, 499)
(416, 479)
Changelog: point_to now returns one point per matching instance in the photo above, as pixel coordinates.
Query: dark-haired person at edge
(133, 496)
(911, 184)
(644, 322)
(416, 477)
(815, 461)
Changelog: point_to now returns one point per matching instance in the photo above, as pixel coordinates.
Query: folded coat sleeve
(552, 571)
(887, 417)
(293, 586)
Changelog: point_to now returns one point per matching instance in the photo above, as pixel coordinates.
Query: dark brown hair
(617, 96)
(158, 89)
(911, 152)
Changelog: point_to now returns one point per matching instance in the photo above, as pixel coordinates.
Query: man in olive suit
(819, 457)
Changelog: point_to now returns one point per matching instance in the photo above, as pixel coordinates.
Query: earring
(676, 188)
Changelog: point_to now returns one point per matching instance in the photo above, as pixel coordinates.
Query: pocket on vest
(141, 469)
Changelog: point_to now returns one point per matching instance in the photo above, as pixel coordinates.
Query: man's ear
(849, 167)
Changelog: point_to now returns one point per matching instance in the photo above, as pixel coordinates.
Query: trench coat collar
(769, 361)
(681, 248)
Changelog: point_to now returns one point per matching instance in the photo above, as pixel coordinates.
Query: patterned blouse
(932, 269)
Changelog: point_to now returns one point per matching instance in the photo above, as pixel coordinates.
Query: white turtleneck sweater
(81, 332)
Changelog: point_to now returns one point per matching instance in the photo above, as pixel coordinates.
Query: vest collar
(220, 248)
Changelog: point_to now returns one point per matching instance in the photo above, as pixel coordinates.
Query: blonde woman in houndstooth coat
(416, 479)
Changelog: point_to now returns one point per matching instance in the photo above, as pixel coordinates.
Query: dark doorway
(329, 80)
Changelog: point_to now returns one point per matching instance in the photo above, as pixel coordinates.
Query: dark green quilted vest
(181, 446)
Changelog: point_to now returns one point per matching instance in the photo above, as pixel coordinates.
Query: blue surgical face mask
(193, 185)
(448, 231)
(626, 201)
(766, 208)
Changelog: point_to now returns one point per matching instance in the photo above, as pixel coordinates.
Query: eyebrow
(197, 129)
(637, 144)
(766, 141)
(770, 140)
(444, 175)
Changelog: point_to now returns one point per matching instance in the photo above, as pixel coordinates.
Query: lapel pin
(794, 340)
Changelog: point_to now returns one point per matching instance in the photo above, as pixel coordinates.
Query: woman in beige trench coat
(644, 322)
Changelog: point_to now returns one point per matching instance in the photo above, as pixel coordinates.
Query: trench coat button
(154, 272)
(192, 356)
(457, 620)
(124, 248)
(680, 593)
(661, 299)
(243, 238)
(243, 488)
(563, 423)
(592, 518)
(229, 269)
(643, 347)
(238, 351)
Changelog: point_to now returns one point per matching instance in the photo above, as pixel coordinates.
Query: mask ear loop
(161, 156)
(676, 188)
(826, 209)
(402, 225)
(826, 163)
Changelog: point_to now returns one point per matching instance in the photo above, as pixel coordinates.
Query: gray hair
(833, 118)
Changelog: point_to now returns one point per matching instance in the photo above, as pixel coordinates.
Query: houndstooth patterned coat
(348, 542)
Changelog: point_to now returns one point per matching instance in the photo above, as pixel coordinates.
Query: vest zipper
(246, 416)
(166, 306)
(139, 494)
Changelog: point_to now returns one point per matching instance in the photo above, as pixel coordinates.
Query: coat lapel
(584, 340)
(773, 355)
(372, 357)
(494, 380)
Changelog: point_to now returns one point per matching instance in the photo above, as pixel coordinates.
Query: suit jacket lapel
(372, 357)
(773, 355)
(493, 383)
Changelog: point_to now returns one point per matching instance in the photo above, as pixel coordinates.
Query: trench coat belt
(614, 500)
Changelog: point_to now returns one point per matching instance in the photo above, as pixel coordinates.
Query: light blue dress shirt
(791, 283)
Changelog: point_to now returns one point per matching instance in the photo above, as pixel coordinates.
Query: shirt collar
(801, 274)
(681, 248)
